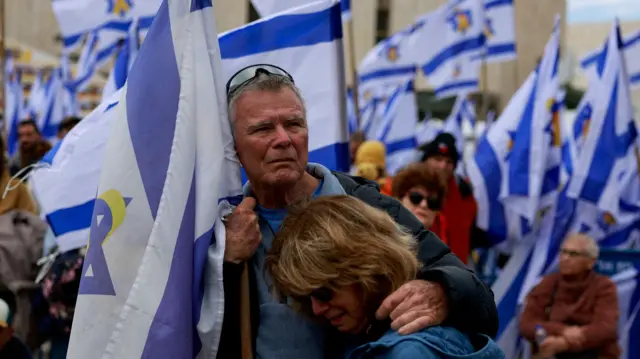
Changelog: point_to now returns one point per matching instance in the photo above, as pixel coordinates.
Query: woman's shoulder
(432, 342)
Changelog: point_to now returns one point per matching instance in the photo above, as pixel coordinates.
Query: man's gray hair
(590, 245)
(263, 82)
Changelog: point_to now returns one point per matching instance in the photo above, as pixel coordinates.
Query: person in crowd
(577, 308)
(66, 125)
(370, 162)
(268, 119)
(32, 147)
(18, 196)
(338, 258)
(355, 140)
(441, 154)
(422, 190)
(10, 346)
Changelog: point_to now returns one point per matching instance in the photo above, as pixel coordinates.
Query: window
(382, 20)
(252, 14)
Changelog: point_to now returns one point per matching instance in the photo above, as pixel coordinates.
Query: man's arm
(534, 313)
(604, 326)
(471, 304)
(230, 341)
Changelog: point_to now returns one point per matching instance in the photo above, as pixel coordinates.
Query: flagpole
(354, 71)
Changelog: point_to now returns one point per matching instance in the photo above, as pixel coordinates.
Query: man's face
(442, 164)
(27, 136)
(574, 258)
(271, 136)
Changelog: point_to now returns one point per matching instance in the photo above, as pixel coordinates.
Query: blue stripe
(519, 165)
(391, 110)
(48, 157)
(144, 23)
(400, 145)
(501, 49)
(396, 71)
(455, 87)
(495, 3)
(633, 79)
(199, 5)
(71, 219)
(508, 304)
(452, 51)
(488, 164)
(283, 32)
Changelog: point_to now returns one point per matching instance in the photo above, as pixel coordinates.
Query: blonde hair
(337, 241)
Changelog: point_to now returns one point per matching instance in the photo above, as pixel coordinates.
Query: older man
(577, 307)
(271, 138)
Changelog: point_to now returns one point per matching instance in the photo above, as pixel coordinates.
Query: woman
(422, 191)
(337, 258)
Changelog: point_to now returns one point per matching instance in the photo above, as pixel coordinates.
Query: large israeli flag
(604, 165)
(447, 38)
(499, 30)
(307, 42)
(631, 51)
(79, 17)
(155, 254)
(536, 139)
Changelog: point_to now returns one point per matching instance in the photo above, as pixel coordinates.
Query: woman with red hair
(422, 191)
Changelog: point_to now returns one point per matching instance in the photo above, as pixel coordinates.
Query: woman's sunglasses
(433, 202)
(249, 73)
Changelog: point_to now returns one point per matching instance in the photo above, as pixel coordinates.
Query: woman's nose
(318, 307)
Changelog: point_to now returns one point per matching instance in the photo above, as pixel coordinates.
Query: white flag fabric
(313, 55)
(169, 171)
(79, 17)
(66, 189)
(631, 51)
(500, 30)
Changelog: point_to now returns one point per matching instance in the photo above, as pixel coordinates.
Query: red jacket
(439, 227)
(460, 207)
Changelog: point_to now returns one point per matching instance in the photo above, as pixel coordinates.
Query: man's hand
(242, 232)
(552, 346)
(414, 306)
(574, 336)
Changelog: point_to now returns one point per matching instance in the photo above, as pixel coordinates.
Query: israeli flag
(447, 39)
(397, 128)
(66, 188)
(36, 96)
(387, 65)
(499, 30)
(535, 143)
(169, 171)
(113, 17)
(13, 103)
(269, 7)
(123, 63)
(606, 161)
(427, 130)
(631, 54)
(463, 116)
(306, 42)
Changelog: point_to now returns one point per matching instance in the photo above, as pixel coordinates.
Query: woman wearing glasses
(422, 191)
(337, 258)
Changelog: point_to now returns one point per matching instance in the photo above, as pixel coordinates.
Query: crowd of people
(320, 263)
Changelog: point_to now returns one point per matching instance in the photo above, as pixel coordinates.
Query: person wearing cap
(459, 204)
(370, 161)
(268, 120)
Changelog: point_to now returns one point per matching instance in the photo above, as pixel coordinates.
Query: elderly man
(577, 307)
(271, 138)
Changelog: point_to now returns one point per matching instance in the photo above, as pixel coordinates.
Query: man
(577, 307)
(459, 205)
(66, 125)
(271, 138)
(32, 147)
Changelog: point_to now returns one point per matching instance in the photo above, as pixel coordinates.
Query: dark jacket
(472, 308)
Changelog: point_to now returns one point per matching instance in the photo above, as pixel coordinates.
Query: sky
(602, 10)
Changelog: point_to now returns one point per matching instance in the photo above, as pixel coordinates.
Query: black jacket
(471, 304)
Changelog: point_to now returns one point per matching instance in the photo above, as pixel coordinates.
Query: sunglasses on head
(249, 73)
(433, 202)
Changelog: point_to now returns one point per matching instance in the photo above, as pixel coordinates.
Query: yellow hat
(371, 152)
(368, 171)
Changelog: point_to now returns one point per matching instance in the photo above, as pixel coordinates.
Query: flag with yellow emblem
(169, 174)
